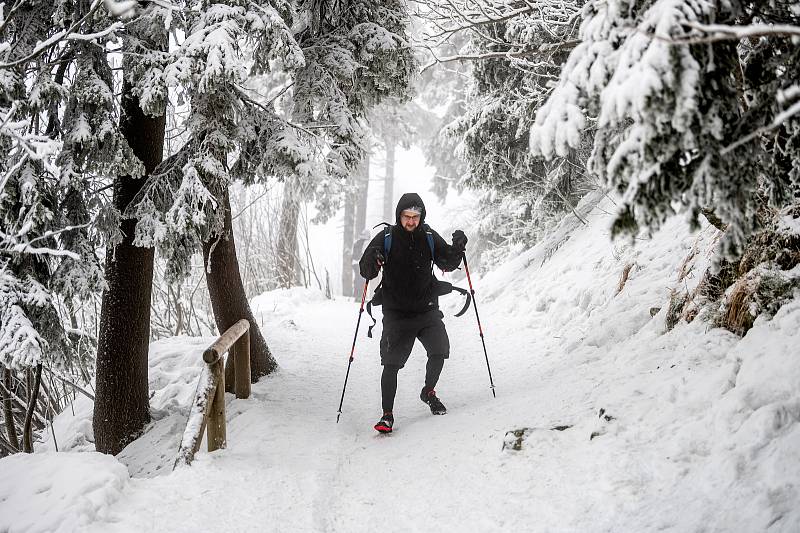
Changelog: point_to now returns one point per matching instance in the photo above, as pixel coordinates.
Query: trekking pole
(480, 329)
(353, 349)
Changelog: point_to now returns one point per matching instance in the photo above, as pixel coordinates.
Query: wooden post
(241, 353)
(216, 417)
(230, 372)
(197, 443)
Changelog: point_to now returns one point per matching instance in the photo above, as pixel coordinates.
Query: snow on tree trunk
(362, 194)
(348, 236)
(8, 411)
(287, 235)
(228, 298)
(388, 182)
(121, 403)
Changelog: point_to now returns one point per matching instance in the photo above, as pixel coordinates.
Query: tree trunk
(348, 236)
(362, 195)
(33, 397)
(8, 411)
(228, 298)
(287, 234)
(176, 298)
(388, 183)
(121, 408)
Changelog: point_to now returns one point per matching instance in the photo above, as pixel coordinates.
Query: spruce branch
(66, 35)
(776, 122)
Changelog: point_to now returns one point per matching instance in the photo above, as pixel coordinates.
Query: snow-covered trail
(289, 466)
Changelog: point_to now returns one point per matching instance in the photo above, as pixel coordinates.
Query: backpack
(440, 288)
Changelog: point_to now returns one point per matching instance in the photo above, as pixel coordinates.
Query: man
(410, 303)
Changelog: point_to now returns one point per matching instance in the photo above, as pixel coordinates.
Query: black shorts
(399, 334)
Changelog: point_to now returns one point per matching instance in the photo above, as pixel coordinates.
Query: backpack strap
(429, 236)
(369, 312)
(466, 302)
(387, 241)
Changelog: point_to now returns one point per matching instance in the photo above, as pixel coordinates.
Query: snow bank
(683, 430)
(285, 301)
(57, 492)
(174, 367)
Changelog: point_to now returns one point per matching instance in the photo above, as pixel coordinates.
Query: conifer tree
(121, 408)
(59, 141)
(695, 106)
(356, 54)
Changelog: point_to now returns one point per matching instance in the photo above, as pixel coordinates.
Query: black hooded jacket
(408, 279)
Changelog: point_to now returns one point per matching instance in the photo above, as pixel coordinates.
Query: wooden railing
(208, 407)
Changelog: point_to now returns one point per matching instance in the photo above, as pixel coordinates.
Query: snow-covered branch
(722, 32)
(16, 244)
(499, 30)
(779, 119)
(543, 50)
(117, 26)
(454, 16)
(67, 34)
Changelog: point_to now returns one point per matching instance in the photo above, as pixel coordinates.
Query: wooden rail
(208, 407)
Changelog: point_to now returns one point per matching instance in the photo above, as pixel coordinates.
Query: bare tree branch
(542, 50)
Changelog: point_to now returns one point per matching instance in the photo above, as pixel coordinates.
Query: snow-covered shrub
(733, 293)
(768, 274)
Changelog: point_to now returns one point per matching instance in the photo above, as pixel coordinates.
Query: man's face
(409, 220)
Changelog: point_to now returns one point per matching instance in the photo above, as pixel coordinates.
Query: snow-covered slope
(602, 421)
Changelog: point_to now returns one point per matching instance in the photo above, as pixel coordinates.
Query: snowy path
(289, 466)
(289, 463)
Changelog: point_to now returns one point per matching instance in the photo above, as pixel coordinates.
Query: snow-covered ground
(689, 430)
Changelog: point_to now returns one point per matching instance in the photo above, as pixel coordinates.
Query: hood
(409, 199)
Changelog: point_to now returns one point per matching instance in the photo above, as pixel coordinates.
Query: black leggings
(389, 380)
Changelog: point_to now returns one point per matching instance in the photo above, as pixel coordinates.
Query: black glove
(371, 267)
(459, 240)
